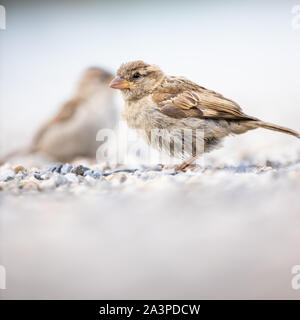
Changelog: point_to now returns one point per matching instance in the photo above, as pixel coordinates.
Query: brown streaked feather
(178, 113)
(173, 112)
(195, 101)
(66, 113)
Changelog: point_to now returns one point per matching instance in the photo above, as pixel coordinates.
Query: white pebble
(71, 177)
(7, 174)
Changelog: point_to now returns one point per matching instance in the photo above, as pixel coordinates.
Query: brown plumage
(156, 101)
(72, 132)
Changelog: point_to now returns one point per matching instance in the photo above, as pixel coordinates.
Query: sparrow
(155, 103)
(72, 132)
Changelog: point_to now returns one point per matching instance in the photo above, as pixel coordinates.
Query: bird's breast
(139, 114)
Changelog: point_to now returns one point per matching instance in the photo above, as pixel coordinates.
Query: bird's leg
(186, 164)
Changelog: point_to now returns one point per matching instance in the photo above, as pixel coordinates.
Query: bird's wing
(181, 98)
(65, 113)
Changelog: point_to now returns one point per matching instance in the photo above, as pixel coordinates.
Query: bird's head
(93, 80)
(136, 79)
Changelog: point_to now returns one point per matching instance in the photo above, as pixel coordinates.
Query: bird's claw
(184, 167)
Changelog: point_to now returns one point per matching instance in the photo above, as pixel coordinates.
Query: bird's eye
(136, 75)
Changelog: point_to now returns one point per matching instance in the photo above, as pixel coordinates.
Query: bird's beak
(119, 83)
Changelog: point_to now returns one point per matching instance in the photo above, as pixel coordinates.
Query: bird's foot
(185, 166)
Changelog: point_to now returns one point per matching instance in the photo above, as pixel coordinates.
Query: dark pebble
(54, 168)
(108, 173)
(57, 168)
(38, 176)
(9, 178)
(79, 170)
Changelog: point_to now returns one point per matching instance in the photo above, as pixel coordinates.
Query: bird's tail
(253, 124)
(275, 127)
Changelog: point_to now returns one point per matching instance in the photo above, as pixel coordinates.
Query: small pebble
(123, 178)
(57, 168)
(46, 175)
(19, 168)
(38, 176)
(7, 175)
(79, 170)
(71, 177)
(95, 173)
(66, 168)
(21, 175)
(60, 179)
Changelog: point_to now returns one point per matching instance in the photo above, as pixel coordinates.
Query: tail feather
(270, 126)
(275, 127)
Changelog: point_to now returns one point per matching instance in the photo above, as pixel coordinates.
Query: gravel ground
(98, 232)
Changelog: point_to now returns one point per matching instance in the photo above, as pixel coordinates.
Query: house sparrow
(154, 101)
(72, 132)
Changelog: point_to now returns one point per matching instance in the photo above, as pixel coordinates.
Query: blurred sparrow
(72, 132)
(154, 100)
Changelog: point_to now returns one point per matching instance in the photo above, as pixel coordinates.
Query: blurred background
(222, 236)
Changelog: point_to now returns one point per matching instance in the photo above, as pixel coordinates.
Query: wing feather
(194, 101)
